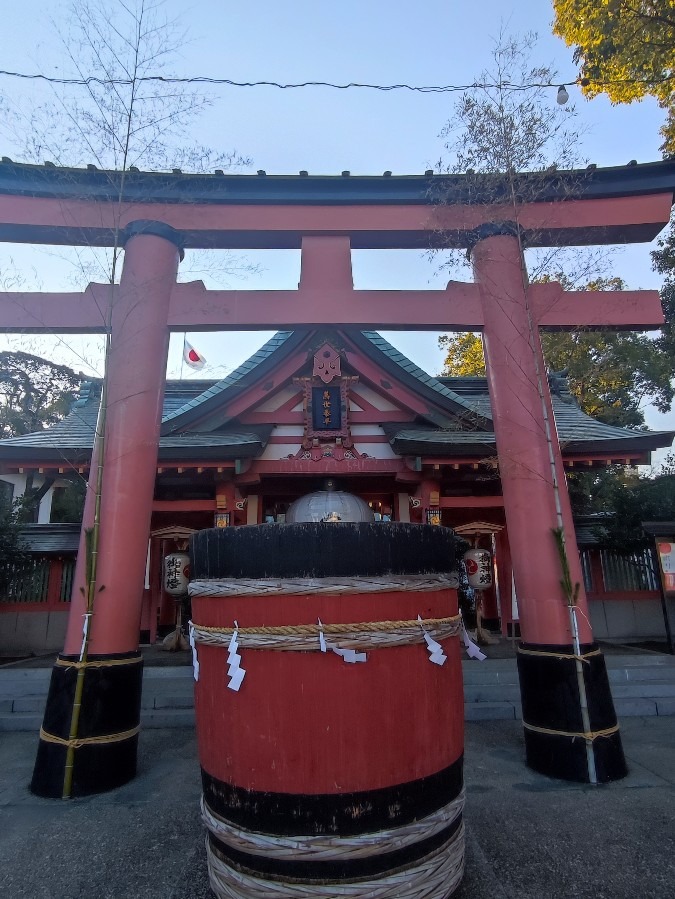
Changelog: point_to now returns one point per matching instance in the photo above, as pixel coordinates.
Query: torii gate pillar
(571, 730)
(106, 744)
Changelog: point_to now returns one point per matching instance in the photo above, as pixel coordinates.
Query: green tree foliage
(34, 393)
(626, 49)
(11, 552)
(463, 354)
(68, 500)
(627, 498)
(664, 264)
(648, 499)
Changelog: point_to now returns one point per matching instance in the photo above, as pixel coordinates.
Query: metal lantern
(176, 573)
(329, 504)
(478, 564)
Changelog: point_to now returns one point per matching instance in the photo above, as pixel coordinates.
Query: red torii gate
(566, 735)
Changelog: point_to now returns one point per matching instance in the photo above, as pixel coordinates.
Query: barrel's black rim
(324, 550)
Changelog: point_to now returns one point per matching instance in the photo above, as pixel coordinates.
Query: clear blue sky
(324, 131)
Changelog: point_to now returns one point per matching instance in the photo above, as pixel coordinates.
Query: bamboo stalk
(571, 592)
(97, 452)
(92, 537)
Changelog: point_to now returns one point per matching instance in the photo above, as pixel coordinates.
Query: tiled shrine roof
(459, 423)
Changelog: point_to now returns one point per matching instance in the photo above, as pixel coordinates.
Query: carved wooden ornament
(326, 364)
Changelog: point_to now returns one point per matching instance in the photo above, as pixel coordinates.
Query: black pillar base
(555, 742)
(110, 710)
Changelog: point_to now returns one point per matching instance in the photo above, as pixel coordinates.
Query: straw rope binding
(327, 847)
(559, 655)
(98, 663)
(89, 741)
(437, 874)
(582, 735)
(305, 637)
(329, 586)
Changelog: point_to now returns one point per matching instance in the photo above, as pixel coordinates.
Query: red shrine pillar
(568, 714)
(107, 735)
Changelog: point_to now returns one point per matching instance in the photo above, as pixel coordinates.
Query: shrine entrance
(576, 738)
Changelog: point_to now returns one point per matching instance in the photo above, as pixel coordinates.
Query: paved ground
(528, 837)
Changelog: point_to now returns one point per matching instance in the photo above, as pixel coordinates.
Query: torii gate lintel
(326, 295)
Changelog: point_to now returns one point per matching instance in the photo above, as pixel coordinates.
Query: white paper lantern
(478, 564)
(176, 573)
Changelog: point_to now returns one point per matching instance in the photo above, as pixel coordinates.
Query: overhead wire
(422, 89)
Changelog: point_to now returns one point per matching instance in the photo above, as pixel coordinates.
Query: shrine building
(309, 405)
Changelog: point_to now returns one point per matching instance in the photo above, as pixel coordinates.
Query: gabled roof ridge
(562, 399)
(406, 366)
(424, 377)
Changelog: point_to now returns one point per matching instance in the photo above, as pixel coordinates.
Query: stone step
(24, 721)
(635, 707)
(651, 688)
(25, 674)
(492, 711)
(168, 718)
(491, 693)
(641, 685)
(641, 674)
(168, 701)
(639, 660)
(665, 706)
(35, 704)
(473, 711)
(485, 675)
(182, 672)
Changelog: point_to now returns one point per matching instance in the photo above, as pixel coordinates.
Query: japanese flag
(192, 357)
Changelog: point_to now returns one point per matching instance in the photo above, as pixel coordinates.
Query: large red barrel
(319, 773)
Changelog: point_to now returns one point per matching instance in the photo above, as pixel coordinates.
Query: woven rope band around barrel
(327, 847)
(89, 741)
(305, 637)
(330, 586)
(437, 874)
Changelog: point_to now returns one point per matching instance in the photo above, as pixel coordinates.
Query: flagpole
(182, 355)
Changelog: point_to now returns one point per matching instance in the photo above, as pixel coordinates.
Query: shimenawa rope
(358, 635)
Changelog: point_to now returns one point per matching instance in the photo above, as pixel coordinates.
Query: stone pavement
(528, 837)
